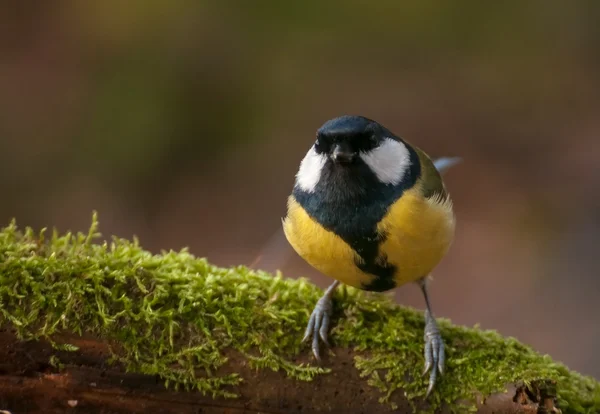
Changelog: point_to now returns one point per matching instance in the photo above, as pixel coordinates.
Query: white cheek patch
(309, 174)
(389, 161)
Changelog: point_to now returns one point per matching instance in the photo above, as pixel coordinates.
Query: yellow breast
(418, 232)
(321, 248)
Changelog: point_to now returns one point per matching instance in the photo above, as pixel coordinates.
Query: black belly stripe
(352, 207)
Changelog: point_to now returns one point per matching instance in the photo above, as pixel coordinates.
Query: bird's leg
(434, 345)
(318, 324)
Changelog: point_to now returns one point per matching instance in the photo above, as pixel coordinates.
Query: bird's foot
(318, 324)
(434, 351)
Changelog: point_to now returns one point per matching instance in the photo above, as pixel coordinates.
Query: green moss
(174, 315)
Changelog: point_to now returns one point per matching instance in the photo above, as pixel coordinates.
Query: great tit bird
(370, 211)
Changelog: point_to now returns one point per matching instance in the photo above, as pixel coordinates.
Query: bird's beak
(342, 154)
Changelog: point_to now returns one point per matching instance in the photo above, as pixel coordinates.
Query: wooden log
(86, 383)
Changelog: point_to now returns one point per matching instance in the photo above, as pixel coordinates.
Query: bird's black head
(354, 157)
(342, 139)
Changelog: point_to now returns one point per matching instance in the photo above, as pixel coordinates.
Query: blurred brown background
(184, 123)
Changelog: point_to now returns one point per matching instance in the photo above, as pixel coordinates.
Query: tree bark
(86, 383)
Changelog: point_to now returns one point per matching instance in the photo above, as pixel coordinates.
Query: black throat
(350, 201)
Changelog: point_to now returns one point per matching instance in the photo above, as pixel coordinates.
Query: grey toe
(435, 355)
(318, 325)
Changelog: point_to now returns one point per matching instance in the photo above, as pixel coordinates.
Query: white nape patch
(389, 161)
(309, 173)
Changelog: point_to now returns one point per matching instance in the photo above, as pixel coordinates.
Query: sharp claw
(324, 339)
(427, 368)
(309, 327)
(432, 379)
(315, 335)
(442, 359)
(324, 329)
(318, 325)
(428, 361)
(434, 354)
(429, 389)
(315, 348)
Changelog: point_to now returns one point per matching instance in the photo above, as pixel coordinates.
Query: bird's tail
(443, 163)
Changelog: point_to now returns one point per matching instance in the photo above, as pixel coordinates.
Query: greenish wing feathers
(430, 180)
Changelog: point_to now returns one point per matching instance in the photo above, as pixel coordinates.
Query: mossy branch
(173, 333)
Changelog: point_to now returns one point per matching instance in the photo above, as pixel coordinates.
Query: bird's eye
(374, 140)
(317, 145)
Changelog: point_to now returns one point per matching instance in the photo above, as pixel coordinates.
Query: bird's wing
(430, 182)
